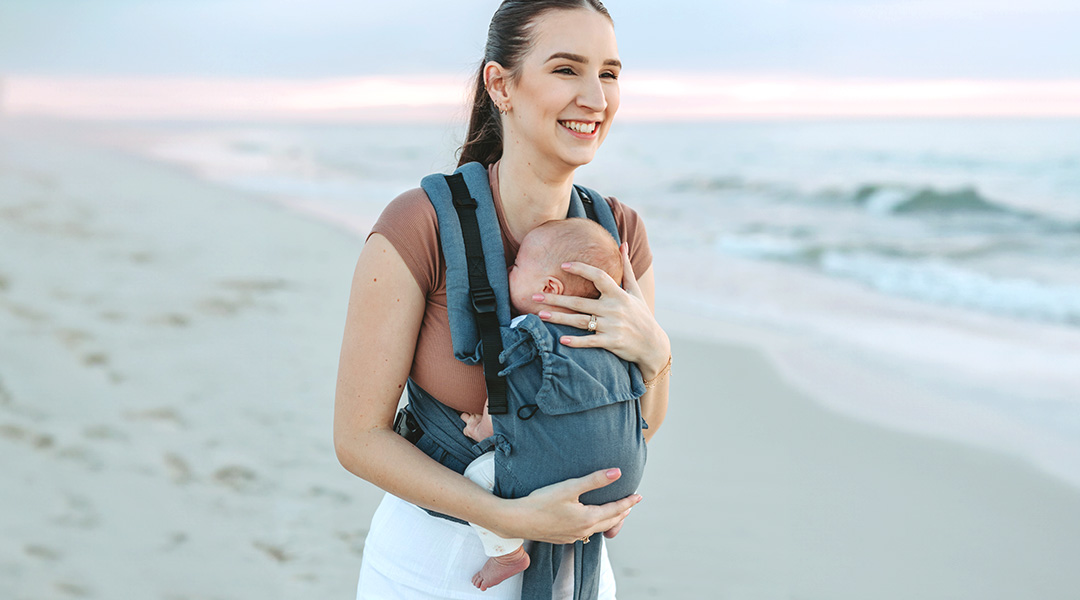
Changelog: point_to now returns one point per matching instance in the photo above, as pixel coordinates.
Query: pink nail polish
(545, 315)
(538, 297)
(613, 473)
(566, 265)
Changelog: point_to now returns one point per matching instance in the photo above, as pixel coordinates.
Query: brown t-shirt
(409, 222)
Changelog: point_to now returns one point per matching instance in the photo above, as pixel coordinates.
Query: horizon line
(422, 98)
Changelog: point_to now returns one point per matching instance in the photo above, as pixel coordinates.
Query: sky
(804, 44)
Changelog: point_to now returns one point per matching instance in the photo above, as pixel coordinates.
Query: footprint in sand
(72, 339)
(354, 540)
(24, 312)
(142, 258)
(275, 552)
(237, 478)
(257, 286)
(42, 552)
(78, 512)
(112, 316)
(162, 414)
(104, 433)
(243, 294)
(18, 433)
(221, 307)
(178, 469)
(336, 496)
(82, 455)
(73, 589)
(176, 539)
(170, 320)
(95, 359)
(6, 397)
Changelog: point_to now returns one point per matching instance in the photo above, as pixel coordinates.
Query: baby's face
(528, 276)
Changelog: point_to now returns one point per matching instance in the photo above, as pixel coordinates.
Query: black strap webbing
(483, 297)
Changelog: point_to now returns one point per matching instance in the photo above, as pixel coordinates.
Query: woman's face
(567, 91)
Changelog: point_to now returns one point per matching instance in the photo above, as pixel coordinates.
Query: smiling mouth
(579, 126)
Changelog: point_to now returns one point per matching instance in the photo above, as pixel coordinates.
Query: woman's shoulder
(410, 207)
(409, 223)
(622, 212)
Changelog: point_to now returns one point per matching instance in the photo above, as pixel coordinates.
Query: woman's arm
(625, 325)
(386, 309)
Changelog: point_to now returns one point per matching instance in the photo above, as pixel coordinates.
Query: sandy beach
(168, 350)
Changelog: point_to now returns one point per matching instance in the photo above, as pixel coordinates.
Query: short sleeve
(410, 224)
(632, 231)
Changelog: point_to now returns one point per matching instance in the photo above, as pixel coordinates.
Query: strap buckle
(483, 300)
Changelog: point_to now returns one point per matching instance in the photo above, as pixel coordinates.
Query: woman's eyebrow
(581, 59)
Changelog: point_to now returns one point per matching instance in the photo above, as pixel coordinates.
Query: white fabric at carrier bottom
(410, 555)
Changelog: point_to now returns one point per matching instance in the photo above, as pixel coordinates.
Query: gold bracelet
(651, 383)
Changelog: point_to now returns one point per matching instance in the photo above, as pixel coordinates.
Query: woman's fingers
(594, 481)
(614, 531)
(599, 277)
(629, 278)
(575, 303)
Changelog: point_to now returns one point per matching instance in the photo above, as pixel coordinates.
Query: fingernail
(567, 265)
(613, 473)
(639, 499)
(544, 315)
(565, 340)
(538, 297)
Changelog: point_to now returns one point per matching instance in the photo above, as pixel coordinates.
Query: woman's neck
(531, 196)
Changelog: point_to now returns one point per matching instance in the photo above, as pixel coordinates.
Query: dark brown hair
(509, 39)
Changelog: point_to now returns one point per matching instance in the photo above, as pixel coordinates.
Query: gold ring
(592, 322)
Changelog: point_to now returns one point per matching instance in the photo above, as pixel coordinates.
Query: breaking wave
(938, 282)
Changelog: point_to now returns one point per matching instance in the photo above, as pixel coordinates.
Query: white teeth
(579, 127)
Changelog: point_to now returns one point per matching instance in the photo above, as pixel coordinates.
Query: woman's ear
(496, 80)
(554, 285)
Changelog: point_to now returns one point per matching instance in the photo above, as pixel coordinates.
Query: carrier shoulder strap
(595, 208)
(483, 297)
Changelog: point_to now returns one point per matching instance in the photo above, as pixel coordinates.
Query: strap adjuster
(483, 300)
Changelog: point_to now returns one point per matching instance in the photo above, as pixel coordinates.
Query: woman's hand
(554, 514)
(625, 324)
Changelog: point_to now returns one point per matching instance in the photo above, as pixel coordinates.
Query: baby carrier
(557, 411)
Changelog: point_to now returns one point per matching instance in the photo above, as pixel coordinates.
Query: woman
(545, 98)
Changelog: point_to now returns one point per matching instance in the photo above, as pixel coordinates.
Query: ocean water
(942, 256)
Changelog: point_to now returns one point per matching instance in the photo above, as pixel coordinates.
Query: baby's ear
(554, 285)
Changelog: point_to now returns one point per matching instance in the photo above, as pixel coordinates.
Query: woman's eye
(610, 75)
(565, 71)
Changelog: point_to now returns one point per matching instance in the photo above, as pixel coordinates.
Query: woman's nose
(592, 95)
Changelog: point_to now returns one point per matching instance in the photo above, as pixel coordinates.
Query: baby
(538, 269)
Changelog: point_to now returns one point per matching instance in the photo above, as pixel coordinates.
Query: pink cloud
(645, 96)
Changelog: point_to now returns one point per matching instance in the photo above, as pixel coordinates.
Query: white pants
(410, 555)
(482, 472)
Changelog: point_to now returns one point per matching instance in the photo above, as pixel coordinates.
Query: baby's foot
(499, 568)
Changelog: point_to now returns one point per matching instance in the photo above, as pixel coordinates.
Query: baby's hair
(579, 240)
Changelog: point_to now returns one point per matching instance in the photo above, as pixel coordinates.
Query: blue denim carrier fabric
(582, 404)
(573, 411)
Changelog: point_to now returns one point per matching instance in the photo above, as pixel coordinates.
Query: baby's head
(538, 267)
